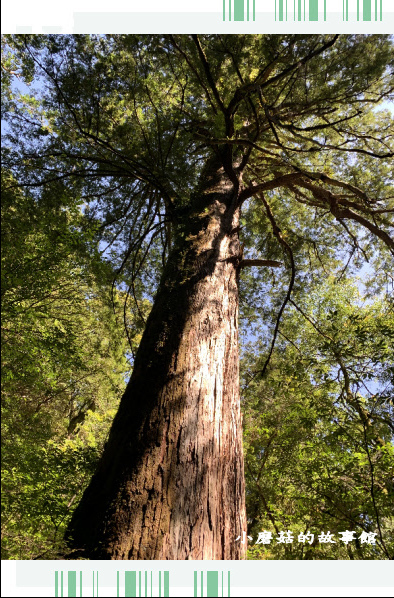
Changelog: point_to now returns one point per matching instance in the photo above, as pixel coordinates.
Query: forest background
(79, 279)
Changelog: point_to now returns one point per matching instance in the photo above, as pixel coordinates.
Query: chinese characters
(287, 537)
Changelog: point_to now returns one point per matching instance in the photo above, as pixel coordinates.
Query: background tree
(166, 139)
(64, 366)
(319, 427)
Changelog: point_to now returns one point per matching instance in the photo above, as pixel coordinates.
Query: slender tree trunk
(170, 484)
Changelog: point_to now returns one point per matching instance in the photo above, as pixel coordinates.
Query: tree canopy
(109, 141)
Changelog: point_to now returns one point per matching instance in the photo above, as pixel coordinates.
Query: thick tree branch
(281, 181)
(340, 212)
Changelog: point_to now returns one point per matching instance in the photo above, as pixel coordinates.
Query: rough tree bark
(170, 484)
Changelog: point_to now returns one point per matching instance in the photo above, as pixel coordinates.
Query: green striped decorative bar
(212, 584)
(166, 584)
(130, 583)
(71, 583)
(281, 10)
(367, 13)
(131, 588)
(313, 10)
(237, 9)
(245, 10)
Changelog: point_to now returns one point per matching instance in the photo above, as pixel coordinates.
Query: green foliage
(64, 368)
(319, 428)
(110, 135)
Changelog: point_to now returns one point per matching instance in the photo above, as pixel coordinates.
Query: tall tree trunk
(170, 484)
